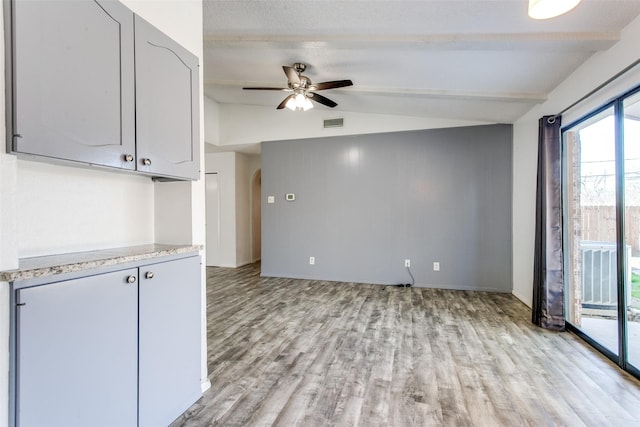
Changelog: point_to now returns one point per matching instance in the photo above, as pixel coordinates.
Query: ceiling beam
(516, 97)
(590, 41)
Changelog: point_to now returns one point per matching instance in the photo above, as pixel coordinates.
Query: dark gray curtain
(548, 276)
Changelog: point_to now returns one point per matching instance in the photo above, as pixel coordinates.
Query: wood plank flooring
(312, 353)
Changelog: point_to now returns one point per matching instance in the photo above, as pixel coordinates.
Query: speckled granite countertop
(30, 268)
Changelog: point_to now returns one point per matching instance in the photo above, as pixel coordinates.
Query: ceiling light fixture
(299, 102)
(545, 9)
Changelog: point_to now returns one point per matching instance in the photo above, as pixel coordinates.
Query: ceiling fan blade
(321, 99)
(332, 85)
(292, 76)
(267, 88)
(284, 102)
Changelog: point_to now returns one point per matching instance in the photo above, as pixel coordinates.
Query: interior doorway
(256, 216)
(212, 207)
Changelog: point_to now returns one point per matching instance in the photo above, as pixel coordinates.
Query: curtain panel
(548, 271)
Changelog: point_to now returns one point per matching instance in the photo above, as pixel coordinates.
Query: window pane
(632, 224)
(590, 219)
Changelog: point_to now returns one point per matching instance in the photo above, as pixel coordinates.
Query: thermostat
(289, 197)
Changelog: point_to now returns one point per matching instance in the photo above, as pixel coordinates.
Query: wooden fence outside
(599, 224)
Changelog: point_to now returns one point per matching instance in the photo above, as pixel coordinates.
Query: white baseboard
(526, 300)
(205, 385)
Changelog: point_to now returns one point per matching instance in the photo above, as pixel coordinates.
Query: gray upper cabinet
(93, 83)
(73, 81)
(166, 102)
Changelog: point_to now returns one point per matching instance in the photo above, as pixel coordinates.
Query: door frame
(207, 225)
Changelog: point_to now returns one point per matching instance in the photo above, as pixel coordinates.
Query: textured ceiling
(461, 59)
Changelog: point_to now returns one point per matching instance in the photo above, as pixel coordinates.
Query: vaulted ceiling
(463, 59)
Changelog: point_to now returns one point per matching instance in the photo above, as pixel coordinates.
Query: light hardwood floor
(313, 353)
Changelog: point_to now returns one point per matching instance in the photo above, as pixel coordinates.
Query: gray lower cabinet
(77, 346)
(94, 83)
(114, 349)
(169, 340)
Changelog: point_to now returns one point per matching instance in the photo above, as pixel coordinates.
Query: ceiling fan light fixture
(307, 105)
(299, 102)
(545, 9)
(291, 104)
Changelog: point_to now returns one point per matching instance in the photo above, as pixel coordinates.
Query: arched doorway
(256, 216)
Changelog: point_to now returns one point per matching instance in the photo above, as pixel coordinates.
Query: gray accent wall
(365, 203)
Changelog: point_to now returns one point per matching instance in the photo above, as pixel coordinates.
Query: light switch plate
(271, 199)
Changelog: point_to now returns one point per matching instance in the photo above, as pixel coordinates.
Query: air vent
(333, 123)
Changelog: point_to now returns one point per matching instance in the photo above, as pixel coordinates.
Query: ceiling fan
(304, 91)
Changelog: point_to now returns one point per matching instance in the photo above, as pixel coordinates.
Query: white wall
(243, 210)
(244, 124)
(173, 224)
(246, 167)
(68, 209)
(62, 209)
(211, 121)
(8, 224)
(587, 77)
(47, 209)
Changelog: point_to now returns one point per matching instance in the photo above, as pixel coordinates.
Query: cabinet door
(73, 81)
(169, 340)
(77, 352)
(167, 105)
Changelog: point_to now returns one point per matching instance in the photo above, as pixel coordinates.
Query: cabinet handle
(149, 275)
(128, 157)
(146, 162)
(131, 279)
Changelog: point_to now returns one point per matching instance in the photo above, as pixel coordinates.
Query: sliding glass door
(602, 229)
(590, 219)
(631, 114)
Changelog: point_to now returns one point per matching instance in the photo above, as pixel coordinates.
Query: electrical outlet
(312, 260)
(407, 262)
(436, 266)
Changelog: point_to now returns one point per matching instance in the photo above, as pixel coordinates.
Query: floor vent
(333, 123)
